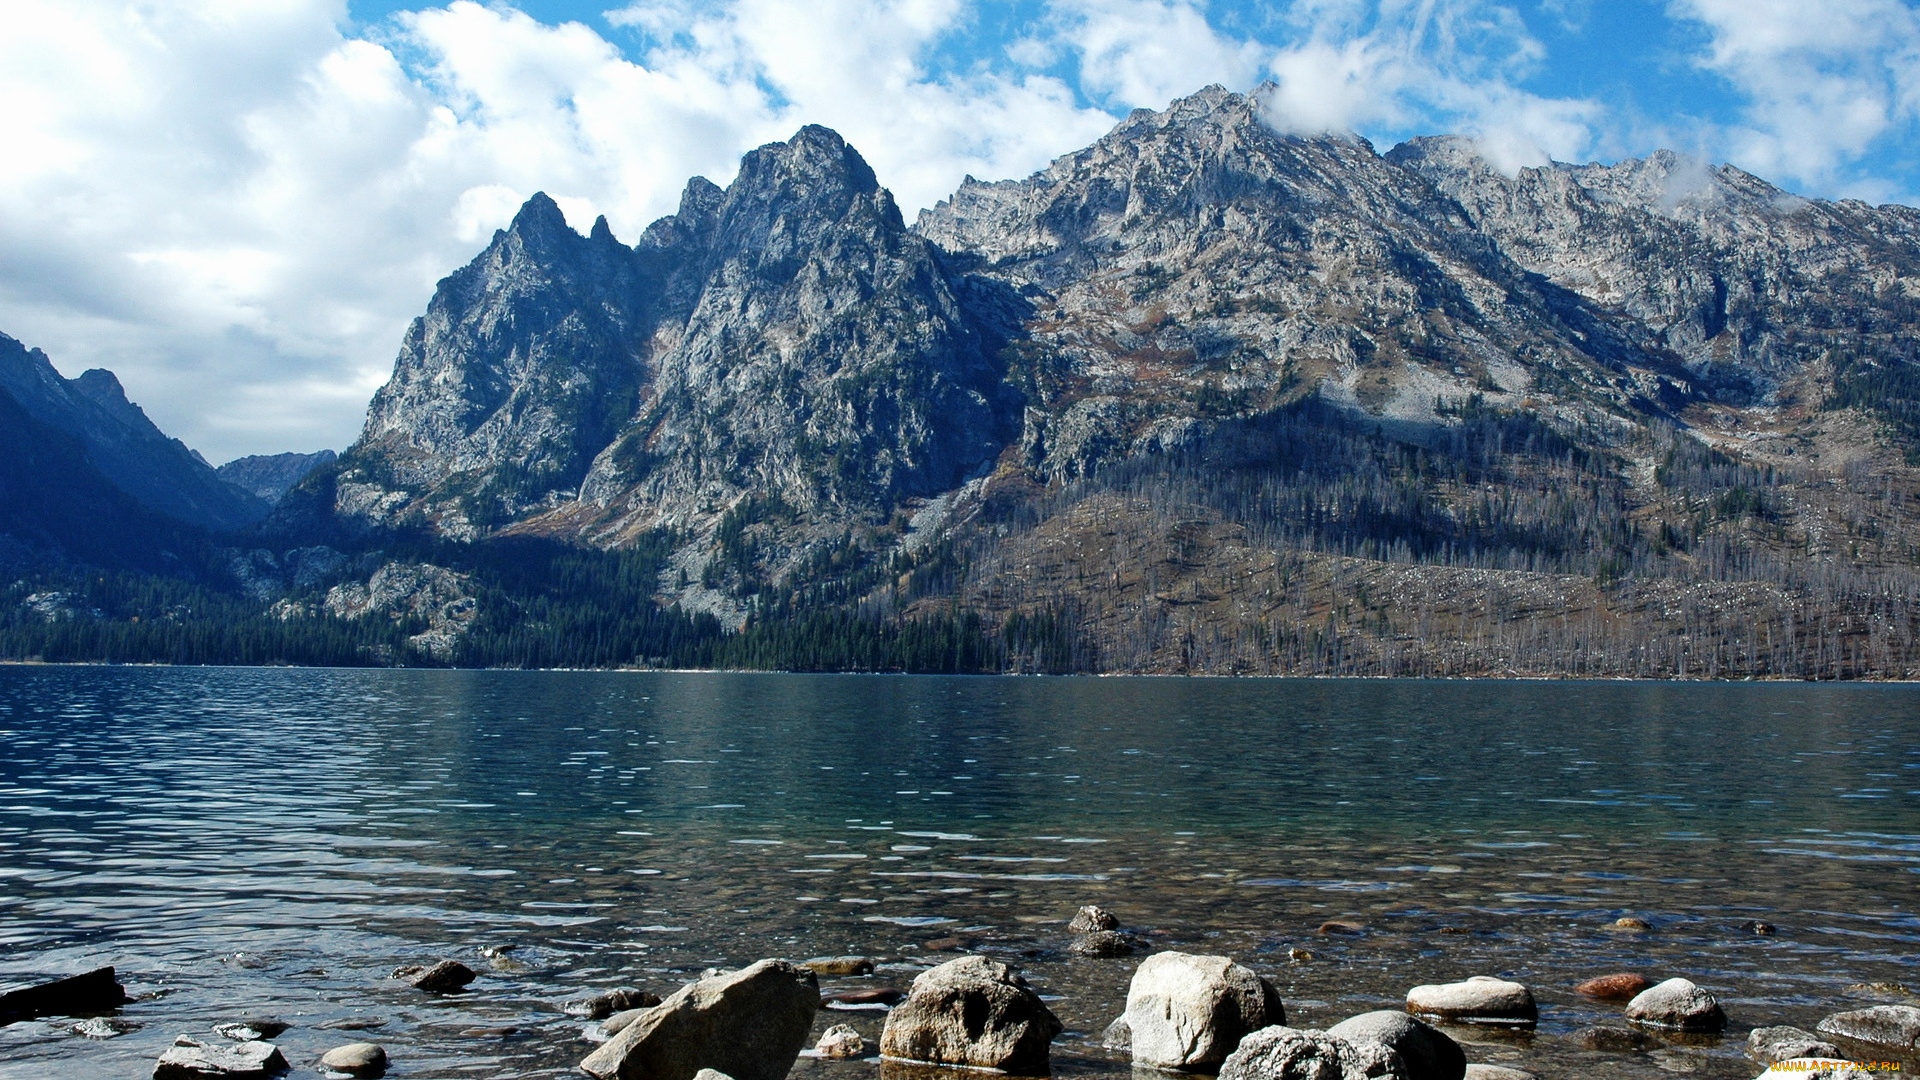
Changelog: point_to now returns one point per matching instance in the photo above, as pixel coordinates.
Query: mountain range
(1201, 397)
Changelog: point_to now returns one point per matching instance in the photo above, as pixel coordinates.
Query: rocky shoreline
(1185, 1013)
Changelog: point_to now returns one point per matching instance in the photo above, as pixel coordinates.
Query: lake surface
(276, 842)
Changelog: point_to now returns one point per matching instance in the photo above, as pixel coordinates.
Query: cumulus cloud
(1824, 84)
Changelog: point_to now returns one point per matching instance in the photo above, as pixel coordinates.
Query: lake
(276, 842)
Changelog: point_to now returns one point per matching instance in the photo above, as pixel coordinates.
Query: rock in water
(1426, 1052)
(191, 1059)
(1091, 918)
(750, 1024)
(840, 1041)
(1615, 1040)
(1618, 987)
(1118, 1035)
(1189, 1011)
(104, 1027)
(1105, 943)
(1496, 1072)
(1770, 1044)
(1679, 1005)
(356, 1059)
(839, 965)
(95, 991)
(1893, 1028)
(974, 1012)
(1479, 1000)
(444, 977)
(1284, 1053)
(601, 1006)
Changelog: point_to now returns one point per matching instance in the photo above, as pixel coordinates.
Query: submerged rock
(878, 999)
(1284, 1053)
(1189, 1012)
(1767, 1045)
(1677, 1004)
(1615, 1040)
(104, 1027)
(750, 1024)
(1103, 943)
(1631, 924)
(1425, 1051)
(1481, 999)
(191, 1059)
(251, 1029)
(1496, 1072)
(973, 1012)
(1622, 986)
(356, 1059)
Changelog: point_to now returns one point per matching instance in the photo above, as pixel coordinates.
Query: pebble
(356, 1059)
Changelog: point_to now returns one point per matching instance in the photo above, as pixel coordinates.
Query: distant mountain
(1202, 396)
(118, 440)
(270, 476)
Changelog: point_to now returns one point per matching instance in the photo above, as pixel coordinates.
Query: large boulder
(749, 1024)
(191, 1059)
(1891, 1029)
(1678, 1005)
(1189, 1012)
(973, 1012)
(1284, 1053)
(1767, 1045)
(1427, 1053)
(1481, 999)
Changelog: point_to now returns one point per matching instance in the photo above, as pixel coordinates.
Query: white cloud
(1824, 83)
(1145, 53)
(1443, 65)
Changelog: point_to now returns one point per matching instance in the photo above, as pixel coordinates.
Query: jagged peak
(814, 152)
(101, 385)
(602, 232)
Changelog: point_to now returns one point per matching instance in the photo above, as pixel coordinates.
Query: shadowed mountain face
(1158, 391)
(121, 444)
(271, 476)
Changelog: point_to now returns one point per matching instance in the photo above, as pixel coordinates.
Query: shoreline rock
(1481, 999)
(1187, 1011)
(750, 1024)
(1677, 1005)
(972, 1012)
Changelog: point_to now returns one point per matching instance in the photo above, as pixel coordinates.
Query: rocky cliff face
(1748, 284)
(118, 441)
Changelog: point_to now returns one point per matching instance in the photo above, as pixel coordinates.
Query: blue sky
(238, 205)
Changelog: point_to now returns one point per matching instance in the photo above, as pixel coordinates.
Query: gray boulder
(1427, 1053)
(1189, 1012)
(1770, 1044)
(191, 1059)
(1679, 1005)
(973, 1012)
(750, 1024)
(1284, 1053)
(356, 1059)
(1481, 999)
(1891, 1028)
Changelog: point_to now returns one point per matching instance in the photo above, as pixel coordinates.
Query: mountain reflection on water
(275, 842)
